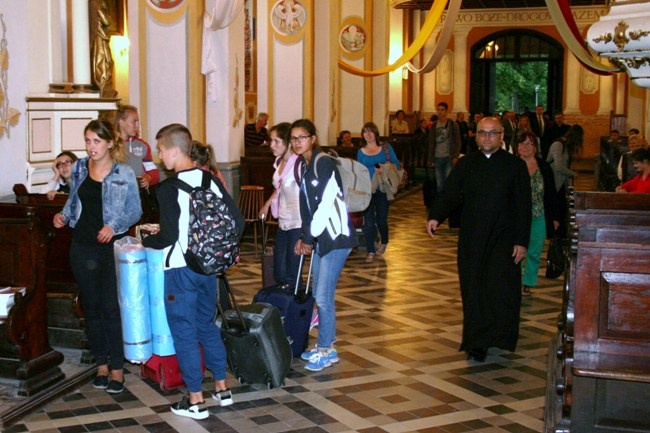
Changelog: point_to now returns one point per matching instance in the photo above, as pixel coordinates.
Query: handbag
(402, 175)
(556, 259)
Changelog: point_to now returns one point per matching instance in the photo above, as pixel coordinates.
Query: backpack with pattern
(213, 238)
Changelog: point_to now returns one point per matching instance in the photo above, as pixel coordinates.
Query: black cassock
(496, 216)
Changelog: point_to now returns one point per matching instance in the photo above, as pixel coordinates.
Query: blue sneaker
(332, 355)
(318, 361)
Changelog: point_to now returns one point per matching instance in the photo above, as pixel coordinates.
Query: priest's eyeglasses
(300, 138)
(492, 134)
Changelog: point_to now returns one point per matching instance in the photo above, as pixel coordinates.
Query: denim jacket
(120, 197)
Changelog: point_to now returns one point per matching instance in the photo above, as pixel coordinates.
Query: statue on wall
(102, 59)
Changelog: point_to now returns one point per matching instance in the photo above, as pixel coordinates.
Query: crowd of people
(506, 176)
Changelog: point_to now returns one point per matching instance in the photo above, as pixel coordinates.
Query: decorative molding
(623, 37)
(445, 74)
(288, 19)
(353, 37)
(9, 116)
(589, 82)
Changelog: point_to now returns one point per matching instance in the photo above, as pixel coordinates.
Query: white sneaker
(224, 397)
(185, 408)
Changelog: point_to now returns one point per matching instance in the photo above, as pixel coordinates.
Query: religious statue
(102, 59)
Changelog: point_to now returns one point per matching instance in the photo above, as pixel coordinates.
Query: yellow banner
(430, 24)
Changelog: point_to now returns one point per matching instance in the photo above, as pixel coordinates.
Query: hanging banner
(560, 12)
(430, 24)
(443, 40)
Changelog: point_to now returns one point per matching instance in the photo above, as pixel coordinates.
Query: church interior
(213, 65)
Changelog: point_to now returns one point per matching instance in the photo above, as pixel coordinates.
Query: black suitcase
(296, 307)
(268, 279)
(257, 347)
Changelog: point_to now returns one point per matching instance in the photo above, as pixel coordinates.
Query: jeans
(93, 267)
(376, 217)
(190, 302)
(534, 251)
(443, 168)
(285, 261)
(326, 271)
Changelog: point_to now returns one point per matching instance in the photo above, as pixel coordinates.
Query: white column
(80, 42)
(606, 94)
(572, 104)
(460, 71)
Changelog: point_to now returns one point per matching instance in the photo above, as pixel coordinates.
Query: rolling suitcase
(296, 307)
(257, 347)
(268, 279)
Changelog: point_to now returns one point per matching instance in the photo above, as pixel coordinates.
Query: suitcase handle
(233, 301)
(298, 277)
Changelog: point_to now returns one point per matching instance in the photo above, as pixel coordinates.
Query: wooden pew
(25, 353)
(65, 315)
(599, 362)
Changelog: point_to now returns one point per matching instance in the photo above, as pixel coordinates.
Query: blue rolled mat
(134, 302)
(163, 343)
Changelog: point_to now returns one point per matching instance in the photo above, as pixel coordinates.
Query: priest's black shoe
(479, 354)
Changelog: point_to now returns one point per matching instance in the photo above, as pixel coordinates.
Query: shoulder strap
(180, 184)
(318, 156)
(386, 152)
(206, 180)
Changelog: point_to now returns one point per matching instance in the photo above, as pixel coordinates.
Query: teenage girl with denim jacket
(103, 204)
(331, 251)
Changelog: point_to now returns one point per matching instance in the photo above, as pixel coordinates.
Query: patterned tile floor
(399, 327)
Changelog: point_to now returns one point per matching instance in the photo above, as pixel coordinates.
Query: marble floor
(399, 327)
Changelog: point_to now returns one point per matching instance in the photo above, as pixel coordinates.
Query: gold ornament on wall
(8, 115)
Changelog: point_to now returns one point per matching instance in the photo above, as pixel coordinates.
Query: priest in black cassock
(494, 188)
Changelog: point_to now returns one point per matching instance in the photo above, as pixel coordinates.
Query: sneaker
(370, 258)
(317, 362)
(314, 320)
(332, 355)
(224, 397)
(100, 382)
(185, 408)
(115, 387)
(380, 249)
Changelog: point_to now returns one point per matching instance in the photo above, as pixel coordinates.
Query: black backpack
(213, 239)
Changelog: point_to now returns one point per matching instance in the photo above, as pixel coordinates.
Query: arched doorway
(516, 70)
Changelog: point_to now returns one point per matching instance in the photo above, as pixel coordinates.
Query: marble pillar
(460, 71)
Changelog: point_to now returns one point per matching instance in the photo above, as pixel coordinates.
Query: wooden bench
(65, 315)
(599, 363)
(25, 352)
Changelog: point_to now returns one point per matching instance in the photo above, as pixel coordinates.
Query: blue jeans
(93, 267)
(375, 217)
(285, 261)
(190, 302)
(534, 251)
(443, 168)
(326, 271)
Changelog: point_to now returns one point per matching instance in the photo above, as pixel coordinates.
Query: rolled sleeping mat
(133, 296)
(163, 343)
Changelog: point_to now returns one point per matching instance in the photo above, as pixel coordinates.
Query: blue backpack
(213, 239)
